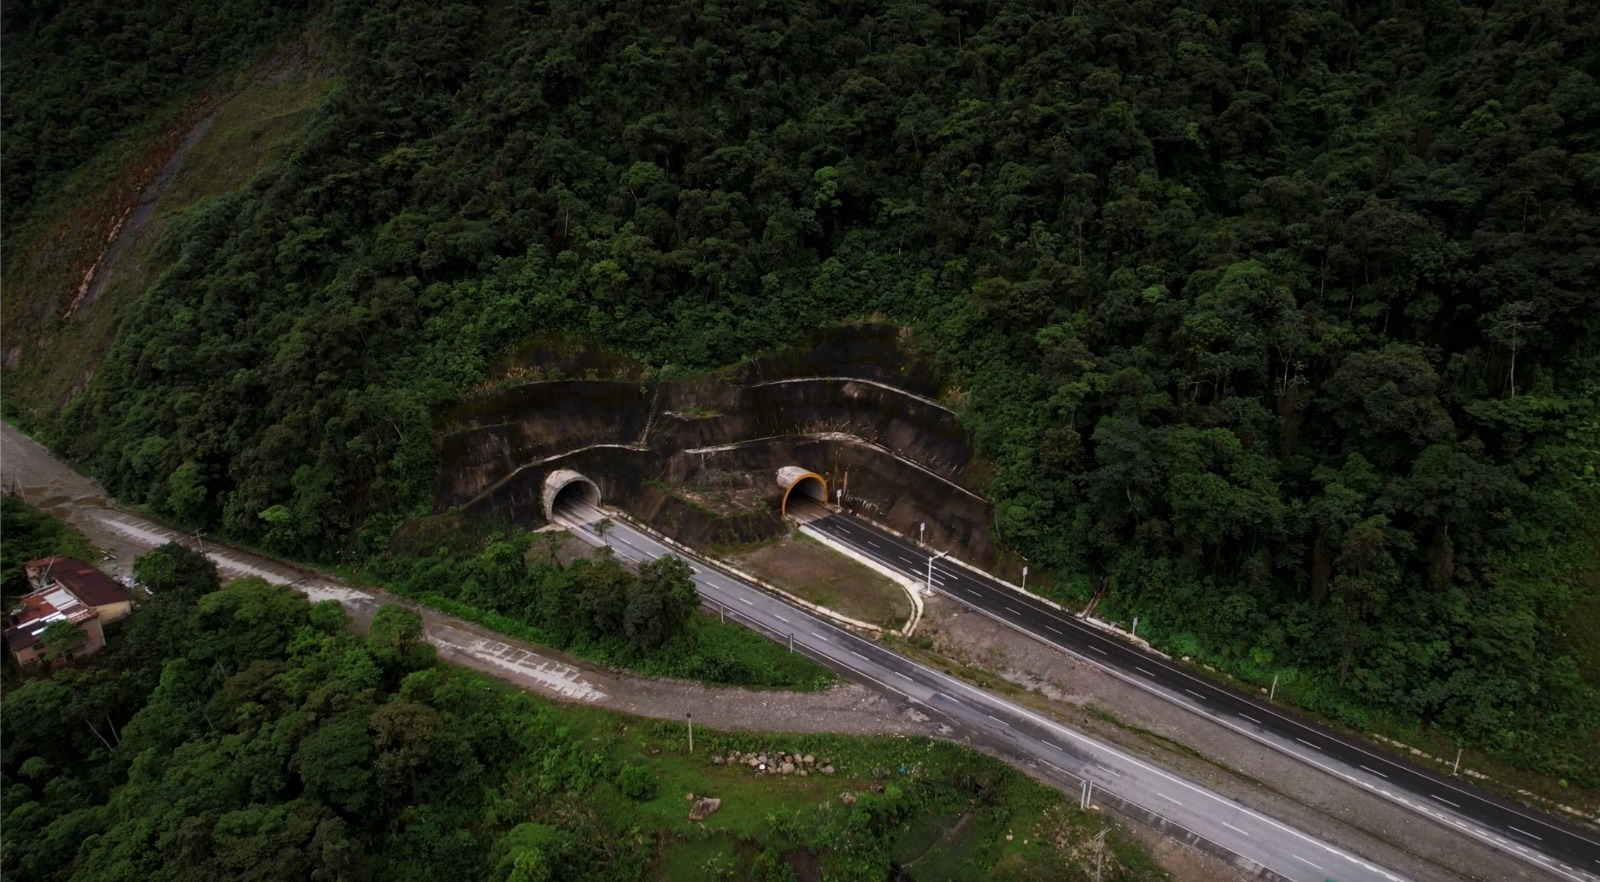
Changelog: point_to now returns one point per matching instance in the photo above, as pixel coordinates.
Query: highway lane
(1056, 752)
(1545, 841)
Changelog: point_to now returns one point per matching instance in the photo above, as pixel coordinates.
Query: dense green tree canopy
(1281, 319)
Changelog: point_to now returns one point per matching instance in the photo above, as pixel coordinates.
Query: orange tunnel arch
(809, 483)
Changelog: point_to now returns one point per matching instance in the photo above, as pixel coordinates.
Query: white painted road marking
(1304, 861)
(1012, 611)
(1194, 693)
(1235, 829)
(1053, 629)
(858, 655)
(781, 618)
(745, 602)
(1453, 805)
(1097, 649)
(1308, 744)
(1251, 719)
(1144, 672)
(1378, 773)
(1169, 799)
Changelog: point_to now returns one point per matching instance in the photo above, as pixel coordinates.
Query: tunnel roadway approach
(1552, 844)
(1053, 751)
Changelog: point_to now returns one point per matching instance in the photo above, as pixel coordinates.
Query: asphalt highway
(1057, 753)
(1548, 842)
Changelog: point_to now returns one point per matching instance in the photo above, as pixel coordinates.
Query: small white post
(791, 641)
(1135, 631)
(1274, 693)
(922, 529)
(1457, 769)
(690, 718)
(930, 574)
(1024, 577)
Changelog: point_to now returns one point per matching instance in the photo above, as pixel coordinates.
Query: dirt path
(47, 483)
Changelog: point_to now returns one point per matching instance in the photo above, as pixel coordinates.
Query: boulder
(703, 809)
(716, 759)
(826, 770)
(847, 798)
(808, 759)
(788, 768)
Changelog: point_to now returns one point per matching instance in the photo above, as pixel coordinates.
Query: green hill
(1280, 317)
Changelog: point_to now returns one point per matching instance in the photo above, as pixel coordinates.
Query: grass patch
(810, 570)
(930, 809)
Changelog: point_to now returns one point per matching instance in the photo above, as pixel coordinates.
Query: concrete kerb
(765, 586)
(911, 588)
(1023, 591)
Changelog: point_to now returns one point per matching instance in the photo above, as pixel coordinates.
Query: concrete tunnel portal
(808, 483)
(568, 492)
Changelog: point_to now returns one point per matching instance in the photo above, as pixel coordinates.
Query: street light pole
(922, 529)
(931, 559)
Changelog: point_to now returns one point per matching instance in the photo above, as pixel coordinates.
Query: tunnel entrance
(570, 496)
(802, 484)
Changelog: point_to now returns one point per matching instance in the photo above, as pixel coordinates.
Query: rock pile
(777, 763)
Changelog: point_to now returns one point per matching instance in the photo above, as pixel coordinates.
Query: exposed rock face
(852, 402)
(703, 808)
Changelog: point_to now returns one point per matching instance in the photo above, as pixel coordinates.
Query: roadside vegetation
(649, 621)
(1277, 322)
(26, 533)
(244, 733)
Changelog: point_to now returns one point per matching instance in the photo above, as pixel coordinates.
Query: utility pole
(1274, 693)
(1457, 769)
(922, 529)
(690, 718)
(931, 559)
(1135, 631)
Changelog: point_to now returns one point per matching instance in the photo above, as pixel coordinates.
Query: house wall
(111, 612)
(95, 637)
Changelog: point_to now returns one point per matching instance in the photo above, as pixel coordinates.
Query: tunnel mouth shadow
(572, 496)
(806, 483)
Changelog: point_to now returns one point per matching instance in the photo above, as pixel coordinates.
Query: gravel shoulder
(1087, 697)
(1074, 691)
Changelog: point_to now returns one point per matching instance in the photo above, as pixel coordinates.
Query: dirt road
(47, 483)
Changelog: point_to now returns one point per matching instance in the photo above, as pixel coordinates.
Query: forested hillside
(244, 734)
(1281, 317)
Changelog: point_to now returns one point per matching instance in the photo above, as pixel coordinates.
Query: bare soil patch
(810, 570)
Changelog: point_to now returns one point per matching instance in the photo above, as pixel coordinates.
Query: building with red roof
(64, 590)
